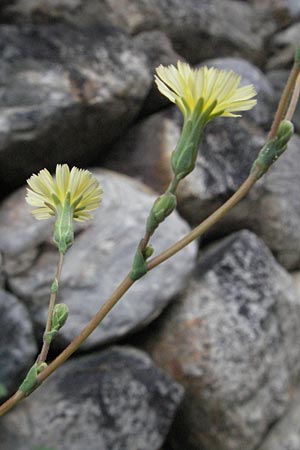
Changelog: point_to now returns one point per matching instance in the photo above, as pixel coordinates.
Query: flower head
(218, 89)
(78, 187)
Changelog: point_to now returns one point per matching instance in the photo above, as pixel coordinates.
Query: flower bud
(274, 148)
(59, 317)
(162, 208)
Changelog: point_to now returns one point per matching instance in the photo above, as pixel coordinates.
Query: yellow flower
(218, 89)
(78, 187)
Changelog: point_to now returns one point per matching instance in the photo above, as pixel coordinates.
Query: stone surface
(144, 151)
(285, 434)
(158, 49)
(18, 347)
(97, 262)
(283, 46)
(107, 401)
(65, 95)
(196, 28)
(233, 341)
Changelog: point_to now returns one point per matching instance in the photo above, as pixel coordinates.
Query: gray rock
(293, 7)
(233, 341)
(107, 401)
(154, 138)
(18, 347)
(285, 434)
(231, 27)
(65, 95)
(283, 45)
(158, 49)
(98, 261)
(195, 27)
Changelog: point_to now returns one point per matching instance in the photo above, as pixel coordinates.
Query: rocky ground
(203, 353)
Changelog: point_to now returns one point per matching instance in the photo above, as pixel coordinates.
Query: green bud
(139, 266)
(54, 286)
(163, 206)
(59, 317)
(274, 148)
(149, 251)
(30, 383)
(41, 366)
(63, 227)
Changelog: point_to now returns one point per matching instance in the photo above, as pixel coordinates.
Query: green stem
(46, 346)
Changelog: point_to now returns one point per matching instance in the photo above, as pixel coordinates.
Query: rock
(144, 151)
(233, 27)
(1, 273)
(293, 8)
(285, 434)
(233, 341)
(18, 347)
(64, 93)
(158, 49)
(100, 258)
(284, 11)
(283, 45)
(112, 400)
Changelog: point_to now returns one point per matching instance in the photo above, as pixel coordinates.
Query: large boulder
(107, 401)
(233, 341)
(99, 259)
(66, 94)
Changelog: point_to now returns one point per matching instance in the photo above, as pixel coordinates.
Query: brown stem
(45, 349)
(294, 100)
(282, 106)
(207, 223)
(11, 402)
